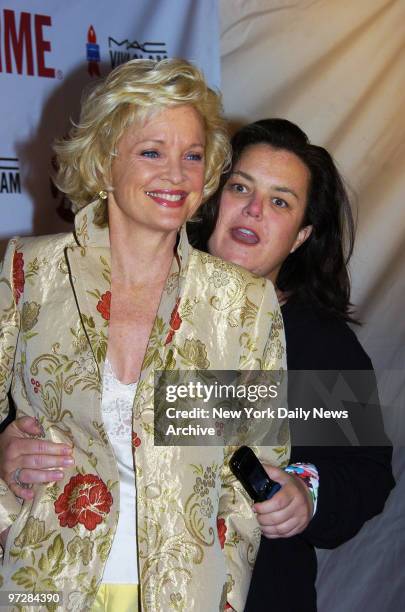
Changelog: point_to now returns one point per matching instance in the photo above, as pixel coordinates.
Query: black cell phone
(252, 475)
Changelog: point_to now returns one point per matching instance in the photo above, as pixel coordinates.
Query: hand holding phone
(252, 475)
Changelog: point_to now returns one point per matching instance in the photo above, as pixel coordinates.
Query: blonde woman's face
(158, 173)
(262, 209)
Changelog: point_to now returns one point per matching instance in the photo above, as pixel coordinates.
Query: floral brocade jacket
(196, 534)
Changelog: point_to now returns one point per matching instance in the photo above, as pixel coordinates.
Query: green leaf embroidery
(56, 551)
(25, 577)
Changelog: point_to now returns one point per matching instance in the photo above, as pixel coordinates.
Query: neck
(139, 255)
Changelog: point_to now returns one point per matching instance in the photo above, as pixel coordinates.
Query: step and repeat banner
(50, 51)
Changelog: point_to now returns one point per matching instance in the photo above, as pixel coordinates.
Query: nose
(174, 171)
(254, 208)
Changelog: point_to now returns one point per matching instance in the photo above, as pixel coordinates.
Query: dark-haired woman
(282, 212)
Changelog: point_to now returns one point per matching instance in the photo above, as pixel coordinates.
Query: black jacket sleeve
(354, 485)
(354, 480)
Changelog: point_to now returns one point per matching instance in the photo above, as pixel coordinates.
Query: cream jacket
(197, 536)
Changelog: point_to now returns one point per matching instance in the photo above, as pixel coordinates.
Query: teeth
(171, 197)
(246, 231)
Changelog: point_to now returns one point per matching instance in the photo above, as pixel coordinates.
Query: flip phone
(252, 475)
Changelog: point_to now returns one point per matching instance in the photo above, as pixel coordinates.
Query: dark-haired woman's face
(262, 208)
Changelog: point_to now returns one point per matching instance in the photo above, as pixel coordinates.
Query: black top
(354, 481)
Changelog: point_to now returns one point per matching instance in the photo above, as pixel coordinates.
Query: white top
(116, 408)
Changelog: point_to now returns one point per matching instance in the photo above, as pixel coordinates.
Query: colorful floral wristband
(309, 474)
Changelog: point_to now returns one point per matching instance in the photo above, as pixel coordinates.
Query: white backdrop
(336, 67)
(49, 50)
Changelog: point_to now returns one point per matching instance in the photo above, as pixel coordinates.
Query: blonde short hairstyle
(128, 94)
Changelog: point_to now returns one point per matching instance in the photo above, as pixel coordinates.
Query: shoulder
(21, 250)
(26, 258)
(246, 299)
(222, 273)
(231, 283)
(319, 341)
(51, 245)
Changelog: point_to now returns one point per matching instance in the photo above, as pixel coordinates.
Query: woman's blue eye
(150, 153)
(279, 202)
(194, 156)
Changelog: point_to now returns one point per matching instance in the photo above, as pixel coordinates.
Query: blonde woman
(86, 318)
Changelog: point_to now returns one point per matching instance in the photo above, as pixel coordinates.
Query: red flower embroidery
(136, 440)
(169, 337)
(36, 385)
(221, 528)
(104, 305)
(175, 319)
(18, 275)
(175, 322)
(85, 499)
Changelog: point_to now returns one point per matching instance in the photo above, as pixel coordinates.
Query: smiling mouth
(168, 199)
(245, 235)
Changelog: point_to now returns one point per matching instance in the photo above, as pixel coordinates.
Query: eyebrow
(158, 141)
(244, 175)
(285, 190)
(279, 188)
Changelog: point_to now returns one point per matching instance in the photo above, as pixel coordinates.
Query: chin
(239, 261)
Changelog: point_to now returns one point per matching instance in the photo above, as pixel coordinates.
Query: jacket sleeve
(9, 330)
(238, 529)
(354, 481)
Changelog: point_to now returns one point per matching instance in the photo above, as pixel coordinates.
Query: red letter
(17, 42)
(42, 46)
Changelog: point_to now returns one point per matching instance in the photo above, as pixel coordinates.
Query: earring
(102, 195)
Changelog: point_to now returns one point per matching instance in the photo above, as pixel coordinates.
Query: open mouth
(245, 235)
(169, 199)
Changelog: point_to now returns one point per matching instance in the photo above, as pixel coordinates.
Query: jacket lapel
(172, 294)
(90, 269)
